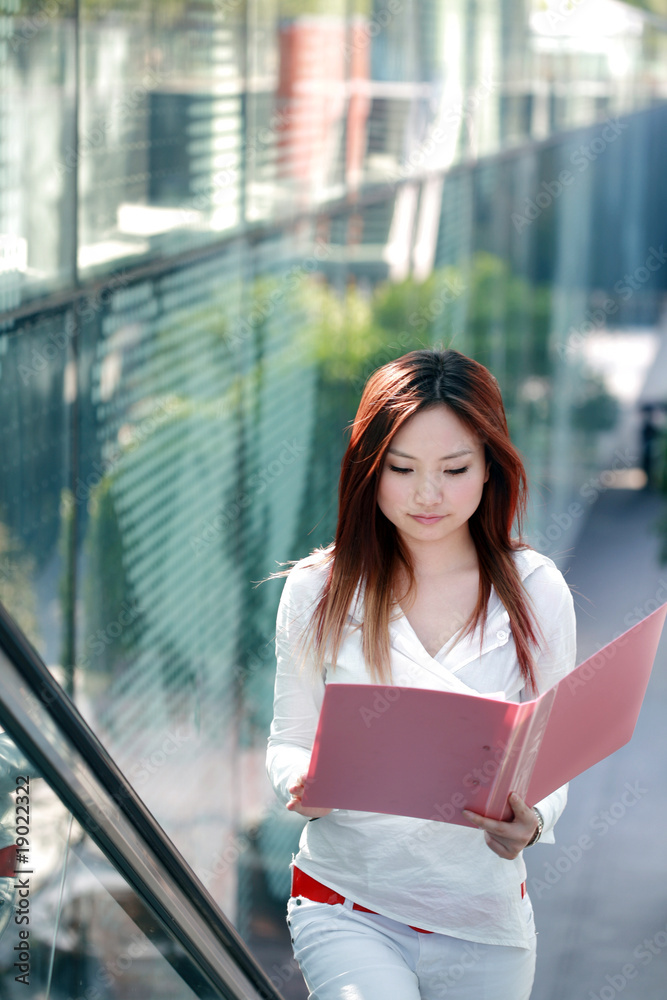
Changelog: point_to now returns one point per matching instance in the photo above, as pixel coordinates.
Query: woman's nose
(429, 489)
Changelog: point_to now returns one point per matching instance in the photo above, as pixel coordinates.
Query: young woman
(423, 587)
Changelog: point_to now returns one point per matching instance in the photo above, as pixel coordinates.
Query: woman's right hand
(294, 804)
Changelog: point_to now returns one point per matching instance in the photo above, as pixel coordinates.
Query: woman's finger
(521, 810)
(507, 839)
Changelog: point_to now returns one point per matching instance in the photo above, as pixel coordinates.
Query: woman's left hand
(507, 839)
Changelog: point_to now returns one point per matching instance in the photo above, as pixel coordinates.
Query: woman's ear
(487, 460)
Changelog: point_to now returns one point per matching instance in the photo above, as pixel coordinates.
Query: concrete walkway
(601, 912)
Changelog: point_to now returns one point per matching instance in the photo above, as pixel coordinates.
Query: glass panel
(182, 138)
(160, 129)
(297, 103)
(179, 439)
(37, 390)
(70, 925)
(37, 148)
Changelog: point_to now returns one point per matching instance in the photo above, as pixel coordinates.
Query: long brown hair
(367, 549)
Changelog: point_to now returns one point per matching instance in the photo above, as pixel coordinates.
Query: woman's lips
(427, 518)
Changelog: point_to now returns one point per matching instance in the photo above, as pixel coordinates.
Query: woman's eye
(448, 472)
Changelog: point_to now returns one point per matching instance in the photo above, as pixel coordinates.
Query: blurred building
(216, 218)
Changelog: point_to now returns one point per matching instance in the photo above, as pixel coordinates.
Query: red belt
(308, 887)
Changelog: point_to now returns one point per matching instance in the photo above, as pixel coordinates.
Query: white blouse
(437, 876)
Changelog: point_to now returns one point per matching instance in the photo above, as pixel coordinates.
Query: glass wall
(217, 218)
(135, 131)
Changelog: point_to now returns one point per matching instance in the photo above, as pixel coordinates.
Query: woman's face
(433, 476)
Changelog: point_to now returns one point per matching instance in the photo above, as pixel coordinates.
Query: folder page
(596, 706)
(409, 751)
(518, 763)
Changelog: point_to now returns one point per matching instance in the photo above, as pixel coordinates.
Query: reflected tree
(17, 594)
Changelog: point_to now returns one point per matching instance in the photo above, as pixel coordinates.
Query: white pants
(345, 954)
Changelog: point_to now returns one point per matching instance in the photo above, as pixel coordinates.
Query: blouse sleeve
(554, 609)
(298, 691)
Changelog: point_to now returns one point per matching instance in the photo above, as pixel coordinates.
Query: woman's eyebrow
(445, 458)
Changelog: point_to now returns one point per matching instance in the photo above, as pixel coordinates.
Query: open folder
(430, 754)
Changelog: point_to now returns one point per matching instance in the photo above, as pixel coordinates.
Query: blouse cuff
(284, 765)
(551, 807)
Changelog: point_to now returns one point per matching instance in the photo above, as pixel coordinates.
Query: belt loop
(347, 903)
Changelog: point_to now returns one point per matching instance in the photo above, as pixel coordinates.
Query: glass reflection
(37, 138)
(197, 119)
(160, 133)
(37, 389)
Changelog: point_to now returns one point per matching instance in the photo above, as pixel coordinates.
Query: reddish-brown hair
(367, 549)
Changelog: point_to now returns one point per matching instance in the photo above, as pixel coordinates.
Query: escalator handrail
(76, 730)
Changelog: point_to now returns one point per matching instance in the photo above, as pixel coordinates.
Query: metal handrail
(37, 713)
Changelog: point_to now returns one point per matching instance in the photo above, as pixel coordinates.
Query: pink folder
(430, 754)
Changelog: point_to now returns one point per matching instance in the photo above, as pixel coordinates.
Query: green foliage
(44, 10)
(297, 8)
(166, 11)
(503, 302)
(343, 334)
(16, 588)
(353, 334)
(106, 584)
(480, 308)
(658, 7)
(596, 409)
